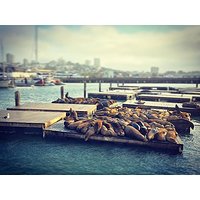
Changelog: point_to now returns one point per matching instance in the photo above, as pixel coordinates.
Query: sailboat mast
(2, 50)
(36, 43)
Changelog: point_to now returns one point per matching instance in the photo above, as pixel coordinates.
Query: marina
(100, 145)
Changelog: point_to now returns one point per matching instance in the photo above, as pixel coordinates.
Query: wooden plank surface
(56, 107)
(59, 130)
(32, 119)
(116, 95)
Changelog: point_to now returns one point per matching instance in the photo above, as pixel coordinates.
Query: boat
(4, 82)
(24, 82)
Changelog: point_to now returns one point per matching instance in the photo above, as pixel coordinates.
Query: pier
(123, 80)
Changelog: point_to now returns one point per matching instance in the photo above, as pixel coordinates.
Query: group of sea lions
(139, 124)
(101, 103)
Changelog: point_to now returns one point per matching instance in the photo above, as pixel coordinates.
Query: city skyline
(118, 47)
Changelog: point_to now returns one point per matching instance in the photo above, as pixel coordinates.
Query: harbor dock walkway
(31, 119)
(81, 109)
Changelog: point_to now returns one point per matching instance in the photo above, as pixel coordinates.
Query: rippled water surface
(26, 154)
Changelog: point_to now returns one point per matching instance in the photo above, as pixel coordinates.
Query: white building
(154, 71)
(97, 62)
(87, 62)
(9, 58)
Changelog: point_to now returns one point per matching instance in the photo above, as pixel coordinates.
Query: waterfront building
(97, 62)
(10, 58)
(154, 71)
(87, 62)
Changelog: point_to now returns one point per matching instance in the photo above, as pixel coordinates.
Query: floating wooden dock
(160, 105)
(119, 95)
(124, 88)
(178, 98)
(58, 130)
(81, 109)
(31, 119)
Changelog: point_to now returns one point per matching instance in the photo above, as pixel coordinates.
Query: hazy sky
(119, 47)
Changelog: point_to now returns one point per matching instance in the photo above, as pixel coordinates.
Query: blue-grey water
(30, 154)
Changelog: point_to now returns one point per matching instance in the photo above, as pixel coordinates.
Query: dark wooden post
(99, 86)
(17, 98)
(84, 89)
(196, 85)
(62, 92)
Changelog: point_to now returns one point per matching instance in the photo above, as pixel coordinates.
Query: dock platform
(160, 105)
(31, 119)
(124, 88)
(116, 95)
(81, 109)
(58, 130)
(178, 98)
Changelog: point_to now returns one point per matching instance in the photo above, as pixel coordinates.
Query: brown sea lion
(98, 125)
(151, 134)
(171, 136)
(134, 133)
(74, 125)
(161, 134)
(163, 122)
(80, 126)
(110, 131)
(155, 124)
(117, 128)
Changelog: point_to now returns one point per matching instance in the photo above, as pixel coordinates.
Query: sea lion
(134, 133)
(151, 134)
(163, 122)
(161, 134)
(171, 136)
(104, 130)
(135, 125)
(110, 130)
(74, 125)
(80, 126)
(97, 125)
(157, 125)
(89, 133)
(117, 128)
(85, 127)
(143, 128)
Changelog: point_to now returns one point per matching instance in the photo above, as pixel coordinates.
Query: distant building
(9, 58)
(154, 71)
(25, 62)
(87, 62)
(97, 63)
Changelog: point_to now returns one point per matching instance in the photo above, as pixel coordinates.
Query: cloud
(176, 49)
